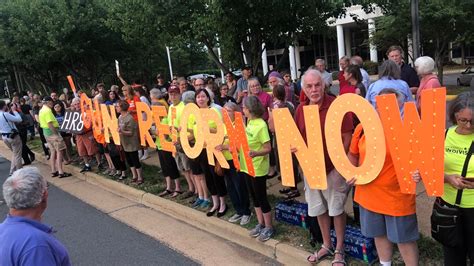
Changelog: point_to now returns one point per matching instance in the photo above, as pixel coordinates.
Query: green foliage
(371, 67)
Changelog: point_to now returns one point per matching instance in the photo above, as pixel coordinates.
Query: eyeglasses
(464, 121)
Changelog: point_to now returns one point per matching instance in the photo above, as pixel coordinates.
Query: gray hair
(255, 107)
(233, 106)
(156, 94)
(462, 101)
(390, 70)
(254, 79)
(114, 88)
(345, 58)
(424, 65)
(321, 61)
(24, 189)
(188, 97)
(76, 99)
(310, 72)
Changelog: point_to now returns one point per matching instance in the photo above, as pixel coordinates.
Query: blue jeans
(237, 190)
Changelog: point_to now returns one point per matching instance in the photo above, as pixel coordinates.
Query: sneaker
(144, 157)
(266, 234)
(245, 219)
(256, 230)
(205, 204)
(86, 168)
(197, 203)
(235, 218)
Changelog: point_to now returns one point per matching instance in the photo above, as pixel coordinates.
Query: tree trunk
(463, 55)
(283, 58)
(214, 57)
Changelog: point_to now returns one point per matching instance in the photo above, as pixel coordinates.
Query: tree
(441, 22)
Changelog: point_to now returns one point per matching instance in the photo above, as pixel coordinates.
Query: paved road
(94, 238)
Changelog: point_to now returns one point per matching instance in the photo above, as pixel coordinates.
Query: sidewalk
(213, 240)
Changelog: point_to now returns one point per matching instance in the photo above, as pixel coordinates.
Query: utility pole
(169, 62)
(415, 27)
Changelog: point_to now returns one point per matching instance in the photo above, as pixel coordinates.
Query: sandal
(284, 190)
(293, 194)
(55, 174)
(313, 258)
(139, 182)
(64, 175)
(165, 193)
(176, 193)
(340, 261)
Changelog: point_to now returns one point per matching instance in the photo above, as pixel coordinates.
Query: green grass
(154, 183)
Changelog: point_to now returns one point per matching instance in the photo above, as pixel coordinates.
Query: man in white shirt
(9, 132)
(357, 60)
(327, 77)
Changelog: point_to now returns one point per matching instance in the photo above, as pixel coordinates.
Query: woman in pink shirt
(424, 68)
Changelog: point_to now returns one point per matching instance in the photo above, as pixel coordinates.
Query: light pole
(169, 62)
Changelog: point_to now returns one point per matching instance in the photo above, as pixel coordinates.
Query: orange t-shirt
(383, 194)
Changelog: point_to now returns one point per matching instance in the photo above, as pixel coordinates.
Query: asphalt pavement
(93, 237)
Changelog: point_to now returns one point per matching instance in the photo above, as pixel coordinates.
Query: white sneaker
(235, 218)
(245, 219)
(145, 156)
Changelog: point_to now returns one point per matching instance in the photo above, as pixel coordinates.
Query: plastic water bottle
(364, 253)
(303, 222)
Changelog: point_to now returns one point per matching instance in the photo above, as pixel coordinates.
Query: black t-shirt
(409, 76)
(222, 101)
(25, 109)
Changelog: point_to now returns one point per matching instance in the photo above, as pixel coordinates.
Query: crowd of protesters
(391, 219)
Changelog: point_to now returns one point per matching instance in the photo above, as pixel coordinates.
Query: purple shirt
(28, 242)
(266, 101)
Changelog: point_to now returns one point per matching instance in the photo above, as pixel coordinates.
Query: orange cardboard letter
(110, 123)
(310, 156)
(416, 143)
(86, 110)
(238, 140)
(191, 109)
(373, 131)
(162, 130)
(213, 139)
(144, 125)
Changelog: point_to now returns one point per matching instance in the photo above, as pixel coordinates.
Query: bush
(371, 67)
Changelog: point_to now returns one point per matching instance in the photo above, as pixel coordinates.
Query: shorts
(398, 229)
(132, 159)
(182, 161)
(56, 143)
(86, 145)
(168, 164)
(331, 200)
(196, 168)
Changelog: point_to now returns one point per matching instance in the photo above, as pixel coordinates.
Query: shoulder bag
(446, 226)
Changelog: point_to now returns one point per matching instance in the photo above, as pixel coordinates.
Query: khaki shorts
(331, 200)
(56, 142)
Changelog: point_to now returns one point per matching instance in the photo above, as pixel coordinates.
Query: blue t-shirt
(28, 242)
(385, 83)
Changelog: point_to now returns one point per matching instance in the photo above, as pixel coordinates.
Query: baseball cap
(246, 67)
(47, 99)
(173, 89)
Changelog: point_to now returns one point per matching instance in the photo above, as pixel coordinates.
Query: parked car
(466, 76)
(201, 76)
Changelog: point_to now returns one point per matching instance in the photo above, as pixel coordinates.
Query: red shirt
(347, 125)
(132, 108)
(344, 86)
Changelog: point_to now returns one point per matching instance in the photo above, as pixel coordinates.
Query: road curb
(275, 249)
